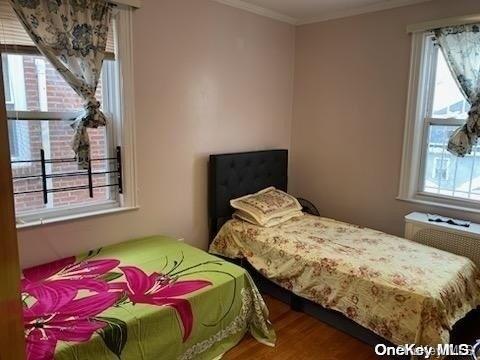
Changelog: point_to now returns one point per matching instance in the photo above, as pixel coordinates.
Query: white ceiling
(307, 11)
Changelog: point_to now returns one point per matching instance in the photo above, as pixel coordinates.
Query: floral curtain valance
(72, 34)
(461, 48)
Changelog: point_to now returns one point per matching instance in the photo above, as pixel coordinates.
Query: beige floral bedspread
(401, 290)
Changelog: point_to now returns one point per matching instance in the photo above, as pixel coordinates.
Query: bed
(150, 298)
(377, 287)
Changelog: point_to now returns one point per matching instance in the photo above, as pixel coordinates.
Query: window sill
(440, 202)
(67, 218)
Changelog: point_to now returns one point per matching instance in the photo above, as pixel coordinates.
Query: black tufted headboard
(239, 174)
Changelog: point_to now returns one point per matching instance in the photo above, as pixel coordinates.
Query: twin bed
(377, 287)
(152, 298)
(158, 298)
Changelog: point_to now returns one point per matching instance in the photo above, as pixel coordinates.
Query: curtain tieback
(92, 118)
(475, 107)
(473, 116)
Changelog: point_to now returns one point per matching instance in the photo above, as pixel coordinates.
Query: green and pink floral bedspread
(153, 298)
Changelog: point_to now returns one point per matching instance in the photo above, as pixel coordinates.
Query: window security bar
(43, 115)
(89, 173)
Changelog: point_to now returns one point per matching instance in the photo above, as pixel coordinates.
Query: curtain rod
(435, 24)
(133, 3)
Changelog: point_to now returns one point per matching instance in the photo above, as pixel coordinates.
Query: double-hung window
(41, 107)
(436, 108)
(14, 91)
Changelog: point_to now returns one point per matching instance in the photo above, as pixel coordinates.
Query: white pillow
(266, 205)
(272, 222)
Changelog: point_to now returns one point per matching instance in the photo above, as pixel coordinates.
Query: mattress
(153, 298)
(401, 290)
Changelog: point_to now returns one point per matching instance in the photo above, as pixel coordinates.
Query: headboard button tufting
(239, 174)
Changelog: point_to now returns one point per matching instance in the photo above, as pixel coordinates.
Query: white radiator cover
(455, 239)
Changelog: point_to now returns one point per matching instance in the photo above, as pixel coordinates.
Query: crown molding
(435, 24)
(136, 4)
(239, 4)
(360, 10)
(259, 10)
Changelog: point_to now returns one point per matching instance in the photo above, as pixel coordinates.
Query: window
(14, 89)
(41, 107)
(436, 108)
(8, 83)
(441, 168)
(13, 140)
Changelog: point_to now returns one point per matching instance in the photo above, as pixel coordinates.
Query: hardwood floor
(300, 336)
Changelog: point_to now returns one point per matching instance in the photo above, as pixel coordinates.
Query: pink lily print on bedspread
(161, 290)
(60, 280)
(50, 320)
(64, 301)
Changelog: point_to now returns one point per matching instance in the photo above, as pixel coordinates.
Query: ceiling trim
(360, 10)
(452, 21)
(259, 10)
(133, 3)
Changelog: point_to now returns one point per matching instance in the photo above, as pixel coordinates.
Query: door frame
(12, 338)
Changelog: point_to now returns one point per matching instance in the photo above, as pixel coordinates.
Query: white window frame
(441, 161)
(16, 84)
(417, 123)
(8, 82)
(121, 108)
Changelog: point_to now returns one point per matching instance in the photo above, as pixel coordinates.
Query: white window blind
(14, 38)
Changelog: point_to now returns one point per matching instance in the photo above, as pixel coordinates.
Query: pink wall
(351, 79)
(211, 78)
(208, 79)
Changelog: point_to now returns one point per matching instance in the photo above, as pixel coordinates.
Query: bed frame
(235, 175)
(239, 174)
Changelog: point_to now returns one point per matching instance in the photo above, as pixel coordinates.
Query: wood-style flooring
(301, 337)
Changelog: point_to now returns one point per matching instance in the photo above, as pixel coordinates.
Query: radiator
(455, 239)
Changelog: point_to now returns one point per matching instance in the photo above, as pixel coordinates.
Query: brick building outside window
(32, 84)
(41, 107)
